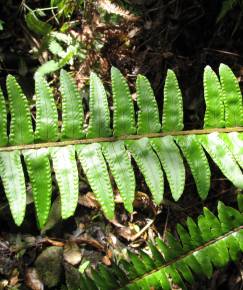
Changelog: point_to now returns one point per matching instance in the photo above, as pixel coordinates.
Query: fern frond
(199, 248)
(153, 151)
(113, 8)
(21, 131)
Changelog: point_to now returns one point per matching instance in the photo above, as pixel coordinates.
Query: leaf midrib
(123, 137)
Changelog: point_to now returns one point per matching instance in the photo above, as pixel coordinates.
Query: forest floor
(152, 37)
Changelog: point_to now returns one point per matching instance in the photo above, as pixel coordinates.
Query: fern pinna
(198, 248)
(103, 149)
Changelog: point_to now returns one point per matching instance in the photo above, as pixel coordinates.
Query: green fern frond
(114, 142)
(199, 248)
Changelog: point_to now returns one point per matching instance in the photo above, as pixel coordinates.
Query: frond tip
(202, 246)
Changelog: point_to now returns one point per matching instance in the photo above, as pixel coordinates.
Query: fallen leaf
(32, 279)
(72, 253)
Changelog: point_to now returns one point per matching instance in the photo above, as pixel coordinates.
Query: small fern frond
(199, 248)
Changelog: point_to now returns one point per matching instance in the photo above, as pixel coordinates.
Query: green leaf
(214, 115)
(12, 176)
(99, 122)
(39, 171)
(172, 163)
(48, 67)
(123, 121)
(234, 142)
(36, 25)
(172, 119)
(3, 121)
(232, 97)
(121, 168)
(46, 112)
(149, 165)
(66, 171)
(94, 166)
(148, 114)
(197, 160)
(72, 110)
(21, 131)
(221, 155)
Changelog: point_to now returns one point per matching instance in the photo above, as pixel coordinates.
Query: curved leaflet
(172, 164)
(148, 114)
(172, 119)
(221, 155)
(72, 110)
(121, 168)
(21, 131)
(149, 165)
(66, 171)
(123, 119)
(197, 160)
(39, 171)
(99, 122)
(94, 166)
(232, 97)
(214, 115)
(12, 176)
(3, 121)
(46, 112)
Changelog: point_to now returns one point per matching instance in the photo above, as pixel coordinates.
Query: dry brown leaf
(72, 253)
(88, 200)
(32, 279)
